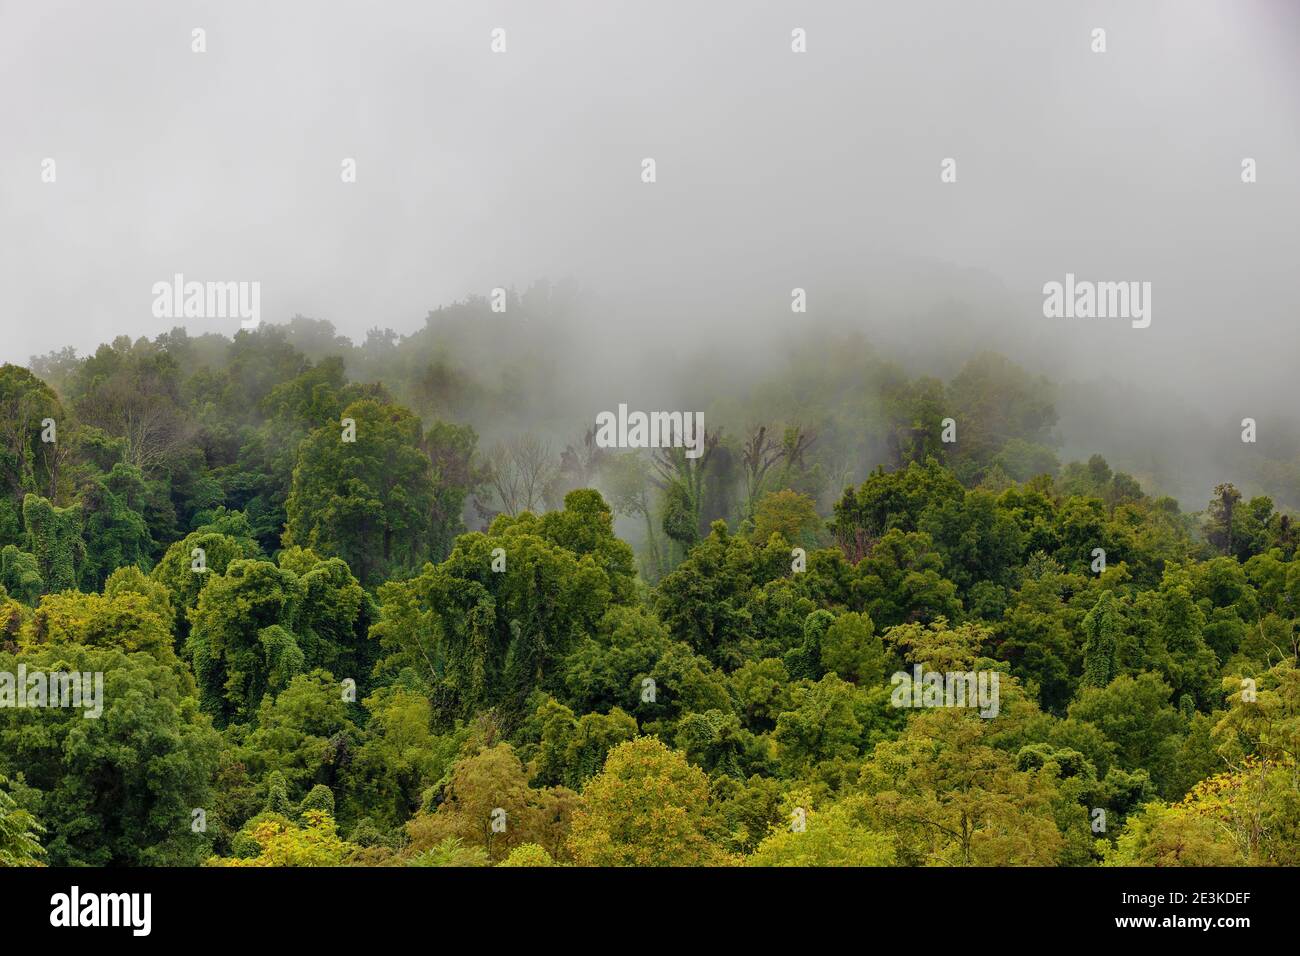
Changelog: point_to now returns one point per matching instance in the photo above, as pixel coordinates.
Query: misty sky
(775, 170)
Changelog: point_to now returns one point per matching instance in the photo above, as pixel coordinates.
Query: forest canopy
(391, 604)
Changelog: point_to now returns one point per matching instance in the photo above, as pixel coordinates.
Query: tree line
(337, 628)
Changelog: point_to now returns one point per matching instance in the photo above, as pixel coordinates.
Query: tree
(192, 563)
(368, 501)
(20, 575)
(791, 515)
(1102, 629)
(999, 401)
(480, 637)
(572, 750)
(20, 834)
(647, 807)
(914, 412)
(949, 799)
(585, 526)
(1159, 835)
(302, 737)
(1190, 667)
(400, 756)
(115, 529)
(118, 790)
(131, 580)
(450, 852)
(281, 843)
(125, 619)
(580, 465)
(681, 480)
(902, 581)
(28, 465)
(977, 540)
(821, 725)
(762, 692)
(131, 390)
(1135, 715)
(701, 602)
(628, 483)
(836, 836)
(1220, 517)
(528, 854)
(54, 538)
(488, 805)
(519, 472)
(241, 643)
(1023, 460)
(450, 449)
(890, 500)
(1035, 634)
(331, 620)
(851, 648)
(761, 453)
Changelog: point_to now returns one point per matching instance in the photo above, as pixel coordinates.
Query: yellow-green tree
(647, 807)
(840, 835)
(488, 805)
(791, 515)
(282, 843)
(949, 799)
(528, 854)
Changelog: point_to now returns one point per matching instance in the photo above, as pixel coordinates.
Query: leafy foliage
(319, 609)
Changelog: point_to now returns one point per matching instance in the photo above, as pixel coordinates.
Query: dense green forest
(389, 604)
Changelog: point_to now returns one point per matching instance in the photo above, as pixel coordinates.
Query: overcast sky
(775, 169)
